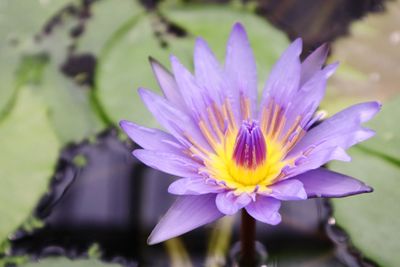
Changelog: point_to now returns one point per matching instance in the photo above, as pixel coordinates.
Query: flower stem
(248, 239)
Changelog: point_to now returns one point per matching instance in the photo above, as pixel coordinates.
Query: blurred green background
(69, 70)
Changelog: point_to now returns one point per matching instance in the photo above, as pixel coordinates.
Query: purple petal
(168, 162)
(265, 209)
(316, 159)
(172, 119)
(324, 183)
(305, 102)
(313, 63)
(341, 130)
(208, 71)
(229, 204)
(240, 66)
(284, 79)
(186, 214)
(151, 139)
(192, 94)
(167, 84)
(290, 189)
(193, 186)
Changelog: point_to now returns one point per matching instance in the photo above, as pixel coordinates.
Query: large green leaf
(29, 150)
(124, 67)
(63, 262)
(100, 27)
(70, 108)
(69, 105)
(372, 220)
(16, 36)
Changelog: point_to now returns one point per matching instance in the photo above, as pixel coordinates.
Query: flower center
(251, 156)
(250, 150)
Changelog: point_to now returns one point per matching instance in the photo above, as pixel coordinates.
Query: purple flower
(233, 152)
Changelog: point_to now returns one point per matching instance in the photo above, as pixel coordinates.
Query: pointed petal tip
(142, 90)
(152, 241)
(201, 49)
(200, 41)
(155, 64)
(339, 153)
(369, 110)
(298, 40)
(377, 104)
(324, 49)
(330, 69)
(176, 188)
(298, 44)
(137, 153)
(238, 32)
(123, 124)
(365, 134)
(152, 60)
(294, 50)
(275, 219)
(146, 94)
(364, 188)
(368, 189)
(238, 26)
(176, 64)
(173, 59)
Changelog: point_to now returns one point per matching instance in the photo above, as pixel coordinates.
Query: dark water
(101, 194)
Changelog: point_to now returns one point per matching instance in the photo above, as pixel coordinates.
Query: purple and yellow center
(247, 157)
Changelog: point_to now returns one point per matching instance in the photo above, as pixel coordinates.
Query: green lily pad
(99, 28)
(372, 219)
(214, 22)
(16, 37)
(64, 262)
(70, 105)
(29, 150)
(124, 67)
(70, 109)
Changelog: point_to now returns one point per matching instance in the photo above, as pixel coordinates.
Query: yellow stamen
(214, 123)
(207, 134)
(271, 125)
(195, 145)
(227, 110)
(220, 130)
(291, 130)
(266, 116)
(218, 116)
(277, 132)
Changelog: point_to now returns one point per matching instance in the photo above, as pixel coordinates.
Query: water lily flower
(233, 152)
